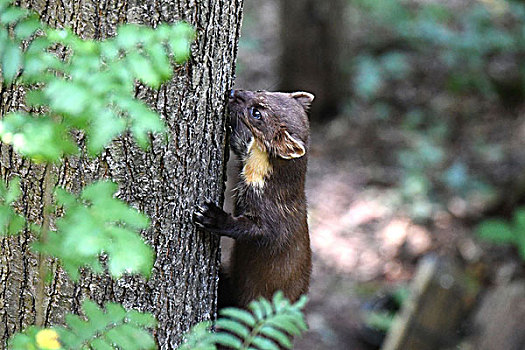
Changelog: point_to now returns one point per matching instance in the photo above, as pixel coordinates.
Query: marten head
(268, 128)
(275, 122)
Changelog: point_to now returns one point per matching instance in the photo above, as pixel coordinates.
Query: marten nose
(237, 95)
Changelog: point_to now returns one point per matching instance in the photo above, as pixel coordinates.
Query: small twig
(42, 261)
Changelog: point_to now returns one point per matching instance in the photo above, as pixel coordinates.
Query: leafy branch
(90, 89)
(94, 223)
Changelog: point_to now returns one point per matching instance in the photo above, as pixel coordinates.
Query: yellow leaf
(48, 339)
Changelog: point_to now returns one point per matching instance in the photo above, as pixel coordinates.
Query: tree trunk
(312, 35)
(165, 182)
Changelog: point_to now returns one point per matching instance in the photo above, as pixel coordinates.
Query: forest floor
(366, 244)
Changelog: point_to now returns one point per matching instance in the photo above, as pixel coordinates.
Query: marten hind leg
(226, 293)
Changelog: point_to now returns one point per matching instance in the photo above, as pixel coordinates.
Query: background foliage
(424, 75)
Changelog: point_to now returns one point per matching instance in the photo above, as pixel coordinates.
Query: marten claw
(209, 217)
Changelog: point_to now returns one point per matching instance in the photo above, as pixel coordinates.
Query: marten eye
(255, 113)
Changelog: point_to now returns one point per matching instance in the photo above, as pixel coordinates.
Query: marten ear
(288, 147)
(304, 98)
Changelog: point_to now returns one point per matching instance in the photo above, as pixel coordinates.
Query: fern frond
(267, 325)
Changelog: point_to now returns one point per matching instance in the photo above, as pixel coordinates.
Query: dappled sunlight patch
(362, 212)
(335, 249)
(392, 236)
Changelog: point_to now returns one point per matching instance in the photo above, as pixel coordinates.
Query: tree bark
(165, 182)
(312, 34)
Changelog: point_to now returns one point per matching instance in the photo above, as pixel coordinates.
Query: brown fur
(272, 243)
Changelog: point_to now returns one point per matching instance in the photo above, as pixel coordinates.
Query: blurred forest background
(418, 133)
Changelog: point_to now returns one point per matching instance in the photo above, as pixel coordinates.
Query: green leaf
(24, 340)
(21, 341)
(79, 327)
(180, 42)
(64, 197)
(100, 344)
(227, 340)
(496, 231)
(160, 62)
(239, 314)
(233, 327)
(141, 338)
(301, 303)
(115, 312)
(12, 14)
(4, 4)
(127, 36)
(13, 191)
(101, 195)
(68, 97)
(10, 222)
(16, 224)
(198, 338)
(141, 319)
(69, 339)
(143, 120)
(104, 330)
(380, 320)
(257, 310)
(286, 323)
(266, 306)
(104, 127)
(263, 343)
(127, 337)
(24, 29)
(277, 335)
(519, 220)
(181, 49)
(36, 98)
(11, 61)
(96, 316)
(143, 70)
(128, 253)
(40, 138)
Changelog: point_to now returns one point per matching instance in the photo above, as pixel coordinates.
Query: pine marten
(270, 136)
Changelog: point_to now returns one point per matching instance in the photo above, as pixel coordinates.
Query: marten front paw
(210, 217)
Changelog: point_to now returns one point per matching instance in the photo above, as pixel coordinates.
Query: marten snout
(237, 95)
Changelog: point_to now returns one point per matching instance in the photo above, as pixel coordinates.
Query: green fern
(114, 328)
(265, 326)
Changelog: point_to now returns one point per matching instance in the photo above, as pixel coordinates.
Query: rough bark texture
(312, 42)
(164, 182)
